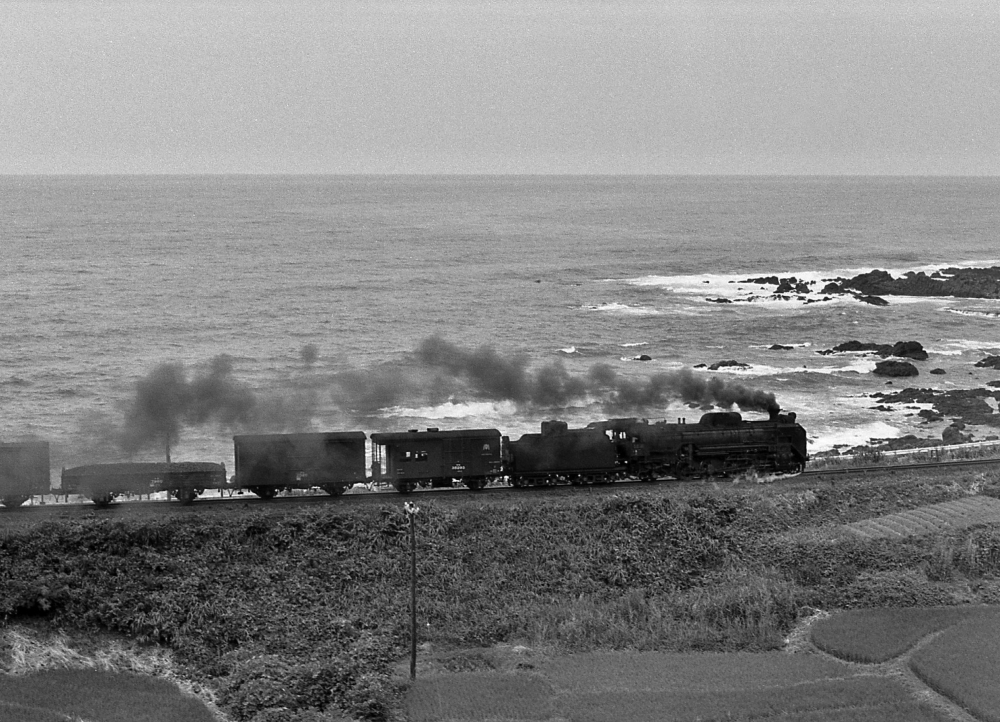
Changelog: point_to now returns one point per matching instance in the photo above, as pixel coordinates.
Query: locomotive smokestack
(772, 413)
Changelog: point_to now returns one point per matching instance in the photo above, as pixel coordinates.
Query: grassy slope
(307, 611)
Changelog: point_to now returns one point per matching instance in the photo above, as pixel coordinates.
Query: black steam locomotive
(719, 444)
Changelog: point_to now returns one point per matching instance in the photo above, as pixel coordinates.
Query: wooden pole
(411, 512)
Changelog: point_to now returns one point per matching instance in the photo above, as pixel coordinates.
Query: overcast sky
(414, 86)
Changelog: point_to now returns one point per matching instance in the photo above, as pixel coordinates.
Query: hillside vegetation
(301, 616)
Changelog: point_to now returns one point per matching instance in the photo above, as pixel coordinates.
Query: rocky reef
(901, 349)
(870, 287)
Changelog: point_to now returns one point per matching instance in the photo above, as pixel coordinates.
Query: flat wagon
(102, 483)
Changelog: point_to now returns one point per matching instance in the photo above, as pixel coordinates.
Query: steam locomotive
(719, 444)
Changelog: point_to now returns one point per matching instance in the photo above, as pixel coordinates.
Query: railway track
(227, 502)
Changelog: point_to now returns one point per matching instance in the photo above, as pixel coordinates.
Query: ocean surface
(387, 303)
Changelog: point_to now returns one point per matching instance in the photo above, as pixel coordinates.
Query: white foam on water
(624, 309)
(453, 410)
(829, 438)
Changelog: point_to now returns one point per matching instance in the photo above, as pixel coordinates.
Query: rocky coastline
(972, 414)
(873, 286)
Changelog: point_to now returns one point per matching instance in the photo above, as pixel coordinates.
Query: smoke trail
(488, 374)
(170, 398)
(166, 400)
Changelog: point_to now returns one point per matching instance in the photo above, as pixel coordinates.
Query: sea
(220, 305)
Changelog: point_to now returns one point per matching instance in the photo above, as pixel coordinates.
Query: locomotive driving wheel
(13, 500)
(264, 492)
(334, 489)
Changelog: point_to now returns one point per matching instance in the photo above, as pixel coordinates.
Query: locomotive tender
(719, 444)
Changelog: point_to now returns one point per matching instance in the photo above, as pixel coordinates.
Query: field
(301, 616)
(931, 519)
(963, 665)
(679, 687)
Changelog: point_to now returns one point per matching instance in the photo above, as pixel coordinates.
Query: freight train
(718, 444)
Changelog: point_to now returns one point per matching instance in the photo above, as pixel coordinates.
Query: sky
(505, 87)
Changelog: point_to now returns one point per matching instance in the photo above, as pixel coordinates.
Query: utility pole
(411, 512)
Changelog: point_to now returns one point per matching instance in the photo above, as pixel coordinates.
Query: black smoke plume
(488, 374)
(171, 397)
(166, 400)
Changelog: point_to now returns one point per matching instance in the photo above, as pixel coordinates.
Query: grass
(878, 635)
(962, 664)
(45, 677)
(480, 696)
(20, 713)
(931, 519)
(857, 699)
(642, 687)
(308, 606)
(105, 696)
(680, 672)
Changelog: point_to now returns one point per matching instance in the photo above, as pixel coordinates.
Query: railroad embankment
(302, 615)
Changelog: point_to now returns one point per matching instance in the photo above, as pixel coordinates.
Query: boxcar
(269, 463)
(24, 471)
(184, 480)
(559, 453)
(437, 458)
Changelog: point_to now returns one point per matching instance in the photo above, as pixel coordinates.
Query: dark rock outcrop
(938, 372)
(895, 368)
(953, 434)
(870, 287)
(901, 349)
(873, 300)
(990, 362)
(778, 347)
(968, 405)
(959, 282)
(728, 364)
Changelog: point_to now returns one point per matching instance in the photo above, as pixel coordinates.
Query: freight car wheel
(334, 489)
(264, 492)
(185, 496)
(14, 500)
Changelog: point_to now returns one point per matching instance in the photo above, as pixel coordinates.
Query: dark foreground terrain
(302, 615)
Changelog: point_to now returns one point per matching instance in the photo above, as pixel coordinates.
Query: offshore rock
(895, 368)
(990, 362)
(938, 372)
(959, 282)
(968, 405)
(901, 349)
(873, 300)
(728, 364)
